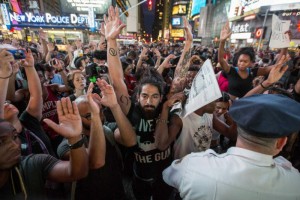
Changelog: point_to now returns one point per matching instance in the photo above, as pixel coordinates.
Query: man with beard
(144, 115)
(104, 180)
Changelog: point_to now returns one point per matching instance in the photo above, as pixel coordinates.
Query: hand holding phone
(17, 53)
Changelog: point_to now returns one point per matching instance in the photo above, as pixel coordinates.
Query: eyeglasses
(87, 116)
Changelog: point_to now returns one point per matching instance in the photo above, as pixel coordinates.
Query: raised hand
(102, 29)
(278, 70)
(225, 32)
(5, 67)
(188, 30)
(50, 47)
(156, 51)
(113, 24)
(70, 125)
(108, 98)
(42, 35)
(94, 100)
(29, 60)
(175, 98)
(144, 51)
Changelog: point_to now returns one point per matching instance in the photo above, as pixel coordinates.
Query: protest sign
(279, 37)
(204, 90)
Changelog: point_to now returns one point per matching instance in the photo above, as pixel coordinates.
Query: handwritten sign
(204, 90)
(279, 39)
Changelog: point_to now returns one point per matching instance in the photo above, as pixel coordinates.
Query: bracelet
(8, 75)
(263, 86)
(78, 144)
(164, 121)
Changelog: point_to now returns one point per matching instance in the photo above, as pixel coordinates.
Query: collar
(253, 157)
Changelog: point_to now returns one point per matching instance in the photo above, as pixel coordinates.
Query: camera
(18, 53)
(93, 71)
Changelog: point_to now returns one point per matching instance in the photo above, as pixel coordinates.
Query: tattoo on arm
(184, 65)
(125, 100)
(112, 52)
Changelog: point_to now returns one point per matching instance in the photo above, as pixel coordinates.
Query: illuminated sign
(250, 5)
(197, 5)
(179, 10)
(240, 28)
(176, 21)
(48, 19)
(293, 13)
(5, 14)
(259, 32)
(177, 33)
(82, 6)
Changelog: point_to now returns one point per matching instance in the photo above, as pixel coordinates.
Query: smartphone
(18, 53)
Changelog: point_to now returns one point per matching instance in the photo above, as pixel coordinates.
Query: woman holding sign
(241, 74)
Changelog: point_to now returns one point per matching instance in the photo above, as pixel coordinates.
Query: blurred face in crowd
(189, 78)
(36, 58)
(128, 70)
(149, 98)
(10, 112)
(85, 113)
(9, 141)
(49, 75)
(244, 62)
(79, 81)
(221, 108)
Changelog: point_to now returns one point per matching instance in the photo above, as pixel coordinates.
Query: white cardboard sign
(279, 39)
(204, 90)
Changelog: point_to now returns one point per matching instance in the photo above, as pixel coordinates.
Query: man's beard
(149, 110)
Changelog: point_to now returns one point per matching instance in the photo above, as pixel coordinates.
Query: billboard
(250, 5)
(197, 5)
(179, 9)
(82, 7)
(177, 32)
(176, 21)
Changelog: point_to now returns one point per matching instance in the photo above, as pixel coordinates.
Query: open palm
(225, 32)
(278, 70)
(108, 98)
(70, 125)
(188, 30)
(113, 24)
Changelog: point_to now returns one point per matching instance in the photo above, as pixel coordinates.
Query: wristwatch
(78, 144)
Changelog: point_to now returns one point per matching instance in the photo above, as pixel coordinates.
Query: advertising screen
(179, 10)
(197, 5)
(176, 21)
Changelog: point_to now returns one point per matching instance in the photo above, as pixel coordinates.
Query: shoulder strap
(29, 133)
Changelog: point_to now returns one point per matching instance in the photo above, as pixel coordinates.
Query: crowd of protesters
(96, 121)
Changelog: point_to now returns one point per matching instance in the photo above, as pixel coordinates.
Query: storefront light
(250, 17)
(250, 40)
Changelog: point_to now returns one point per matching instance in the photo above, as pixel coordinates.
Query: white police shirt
(239, 174)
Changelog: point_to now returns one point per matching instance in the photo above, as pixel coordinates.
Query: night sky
(148, 16)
